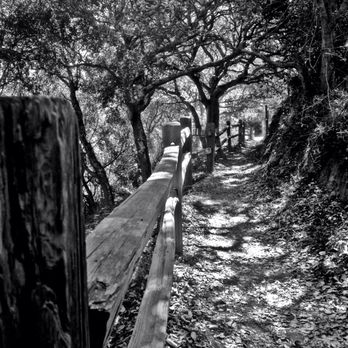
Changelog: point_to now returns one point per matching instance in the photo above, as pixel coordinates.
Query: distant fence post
(251, 132)
(43, 286)
(171, 135)
(210, 135)
(244, 126)
(241, 133)
(187, 122)
(229, 140)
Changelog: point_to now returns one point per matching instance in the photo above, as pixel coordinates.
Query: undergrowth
(314, 220)
(310, 138)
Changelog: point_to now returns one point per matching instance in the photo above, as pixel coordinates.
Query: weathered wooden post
(43, 290)
(251, 132)
(266, 120)
(210, 135)
(229, 140)
(240, 133)
(187, 149)
(171, 135)
(243, 136)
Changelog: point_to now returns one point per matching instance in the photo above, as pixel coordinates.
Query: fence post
(251, 132)
(240, 132)
(244, 126)
(171, 135)
(229, 140)
(187, 122)
(210, 135)
(43, 286)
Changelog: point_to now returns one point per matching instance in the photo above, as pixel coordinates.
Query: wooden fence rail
(58, 290)
(117, 243)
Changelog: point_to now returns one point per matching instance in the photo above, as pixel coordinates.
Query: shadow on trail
(246, 291)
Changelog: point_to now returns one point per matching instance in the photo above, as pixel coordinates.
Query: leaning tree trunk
(327, 45)
(43, 285)
(197, 122)
(140, 141)
(99, 170)
(90, 203)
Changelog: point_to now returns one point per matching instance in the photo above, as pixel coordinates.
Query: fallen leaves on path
(264, 266)
(241, 282)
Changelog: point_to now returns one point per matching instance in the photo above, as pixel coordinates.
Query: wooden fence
(56, 288)
(116, 244)
(212, 138)
(43, 285)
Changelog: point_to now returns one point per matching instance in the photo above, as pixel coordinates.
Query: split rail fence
(58, 288)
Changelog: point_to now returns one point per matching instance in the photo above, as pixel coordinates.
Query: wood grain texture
(43, 298)
(151, 324)
(116, 244)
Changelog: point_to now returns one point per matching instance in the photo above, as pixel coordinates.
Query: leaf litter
(249, 274)
(263, 266)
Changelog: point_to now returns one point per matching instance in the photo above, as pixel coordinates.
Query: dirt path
(236, 286)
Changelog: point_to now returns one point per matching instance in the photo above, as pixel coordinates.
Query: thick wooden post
(171, 135)
(43, 287)
(240, 133)
(187, 122)
(229, 140)
(210, 135)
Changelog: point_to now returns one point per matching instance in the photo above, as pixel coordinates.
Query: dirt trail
(235, 286)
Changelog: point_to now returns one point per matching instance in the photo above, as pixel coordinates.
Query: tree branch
(268, 60)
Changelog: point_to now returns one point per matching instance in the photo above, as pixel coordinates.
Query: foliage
(161, 110)
(116, 55)
(308, 139)
(248, 102)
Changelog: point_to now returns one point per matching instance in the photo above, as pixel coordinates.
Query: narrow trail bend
(236, 285)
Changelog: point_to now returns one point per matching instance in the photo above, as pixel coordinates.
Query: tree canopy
(111, 59)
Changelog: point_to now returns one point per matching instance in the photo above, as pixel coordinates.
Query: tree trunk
(43, 286)
(213, 111)
(213, 116)
(90, 204)
(197, 122)
(327, 45)
(210, 135)
(108, 196)
(140, 141)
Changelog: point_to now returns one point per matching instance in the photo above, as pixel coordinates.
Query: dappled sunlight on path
(235, 286)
